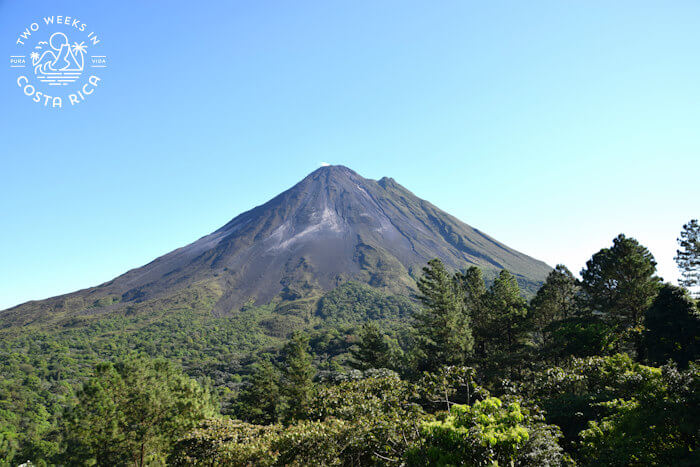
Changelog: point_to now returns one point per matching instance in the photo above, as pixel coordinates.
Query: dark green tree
(672, 327)
(583, 335)
(474, 293)
(615, 411)
(658, 424)
(688, 257)
(554, 301)
(131, 412)
(370, 421)
(473, 286)
(297, 376)
(373, 350)
(506, 325)
(444, 332)
(259, 400)
(620, 282)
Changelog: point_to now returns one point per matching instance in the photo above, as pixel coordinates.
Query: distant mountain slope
(332, 227)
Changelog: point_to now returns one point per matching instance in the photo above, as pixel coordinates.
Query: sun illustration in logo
(62, 63)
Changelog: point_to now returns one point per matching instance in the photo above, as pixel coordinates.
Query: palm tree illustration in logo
(79, 51)
(62, 64)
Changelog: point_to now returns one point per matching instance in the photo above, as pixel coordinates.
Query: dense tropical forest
(601, 370)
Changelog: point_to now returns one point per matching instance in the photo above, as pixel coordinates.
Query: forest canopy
(601, 370)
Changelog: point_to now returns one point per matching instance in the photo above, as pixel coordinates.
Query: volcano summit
(332, 227)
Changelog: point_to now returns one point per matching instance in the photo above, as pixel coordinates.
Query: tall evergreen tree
(259, 400)
(297, 376)
(554, 301)
(373, 350)
(620, 282)
(501, 327)
(688, 257)
(474, 293)
(444, 333)
(473, 285)
(131, 412)
(672, 327)
(507, 324)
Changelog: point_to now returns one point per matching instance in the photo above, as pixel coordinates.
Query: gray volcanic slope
(331, 227)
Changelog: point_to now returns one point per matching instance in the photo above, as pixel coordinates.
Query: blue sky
(552, 126)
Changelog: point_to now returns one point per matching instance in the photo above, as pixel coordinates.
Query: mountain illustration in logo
(62, 64)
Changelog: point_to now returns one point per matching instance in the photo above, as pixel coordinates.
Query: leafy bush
(659, 424)
(487, 433)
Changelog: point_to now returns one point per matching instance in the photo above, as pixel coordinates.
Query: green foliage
(354, 303)
(33, 390)
(259, 401)
(672, 327)
(659, 424)
(379, 408)
(473, 288)
(362, 422)
(225, 442)
(131, 412)
(43, 364)
(444, 332)
(487, 433)
(610, 409)
(569, 394)
(305, 442)
(688, 256)
(367, 421)
(297, 377)
(579, 336)
(331, 347)
(373, 349)
(447, 386)
(620, 282)
(614, 411)
(554, 301)
(507, 310)
(505, 327)
(8, 444)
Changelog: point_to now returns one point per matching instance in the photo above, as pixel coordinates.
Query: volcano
(332, 227)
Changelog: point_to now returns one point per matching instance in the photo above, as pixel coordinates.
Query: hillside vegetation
(597, 371)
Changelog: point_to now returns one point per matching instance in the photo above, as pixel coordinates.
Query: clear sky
(550, 125)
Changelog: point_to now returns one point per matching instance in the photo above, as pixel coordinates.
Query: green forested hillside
(43, 364)
(597, 371)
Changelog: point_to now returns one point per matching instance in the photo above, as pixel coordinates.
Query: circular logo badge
(59, 61)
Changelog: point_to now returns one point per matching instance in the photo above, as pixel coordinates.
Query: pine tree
(620, 283)
(554, 301)
(297, 377)
(131, 412)
(473, 286)
(474, 293)
(373, 351)
(672, 327)
(688, 257)
(259, 400)
(444, 333)
(506, 324)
